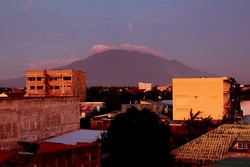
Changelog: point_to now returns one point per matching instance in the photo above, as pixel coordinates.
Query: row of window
(38, 87)
(51, 87)
(66, 78)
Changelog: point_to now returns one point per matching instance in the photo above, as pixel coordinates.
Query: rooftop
(82, 135)
(214, 145)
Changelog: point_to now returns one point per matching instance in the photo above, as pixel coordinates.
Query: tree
(136, 138)
(197, 125)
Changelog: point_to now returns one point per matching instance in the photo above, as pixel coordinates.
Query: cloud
(130, 27)
(29, 3)
(99, 48)
(49, 64)
(128, 47)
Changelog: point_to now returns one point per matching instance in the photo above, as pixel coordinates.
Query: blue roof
(245, 120)
(168, 102)
(82, 135)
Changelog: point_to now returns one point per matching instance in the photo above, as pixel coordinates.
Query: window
(57, 87)
(98, 123)
(182, 100)
(39, 87)
(67, 78)
(31, 78)
(32, 87)
(39, 78)
(242, 146)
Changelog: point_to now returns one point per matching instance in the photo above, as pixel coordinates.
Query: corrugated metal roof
(82, 135)
(232, 162)
(168, 102)
(245, 120)
(86, 108)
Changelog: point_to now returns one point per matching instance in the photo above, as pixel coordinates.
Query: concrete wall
(35, 119)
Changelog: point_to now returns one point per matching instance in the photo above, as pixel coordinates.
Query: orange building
(56, 83)
(211, 96)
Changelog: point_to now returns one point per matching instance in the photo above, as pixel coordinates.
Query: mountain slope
(13, 83)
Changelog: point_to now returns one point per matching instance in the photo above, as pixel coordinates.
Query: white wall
(245, 107)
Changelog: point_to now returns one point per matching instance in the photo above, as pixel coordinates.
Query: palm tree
(192, 125)
(196, 125)
(206, 123)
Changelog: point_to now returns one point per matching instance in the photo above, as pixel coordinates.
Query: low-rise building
(56, 83)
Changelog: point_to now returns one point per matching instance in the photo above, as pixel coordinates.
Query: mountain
(13, 83)
(125, 68)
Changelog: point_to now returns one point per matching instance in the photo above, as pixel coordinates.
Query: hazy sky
(210, 35)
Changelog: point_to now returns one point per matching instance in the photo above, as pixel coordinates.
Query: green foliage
(136, 138)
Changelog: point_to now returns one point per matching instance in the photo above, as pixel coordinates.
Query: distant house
(86, 108)
(100, 124)
(146, 86)
(164, 88)
(84, 111)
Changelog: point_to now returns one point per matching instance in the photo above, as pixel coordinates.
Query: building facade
(211, 96)
(56, 83)
(146, 86)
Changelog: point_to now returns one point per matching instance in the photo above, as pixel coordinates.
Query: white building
(245, 107)
(146, 86)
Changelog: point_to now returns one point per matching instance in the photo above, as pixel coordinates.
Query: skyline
(212, 36)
